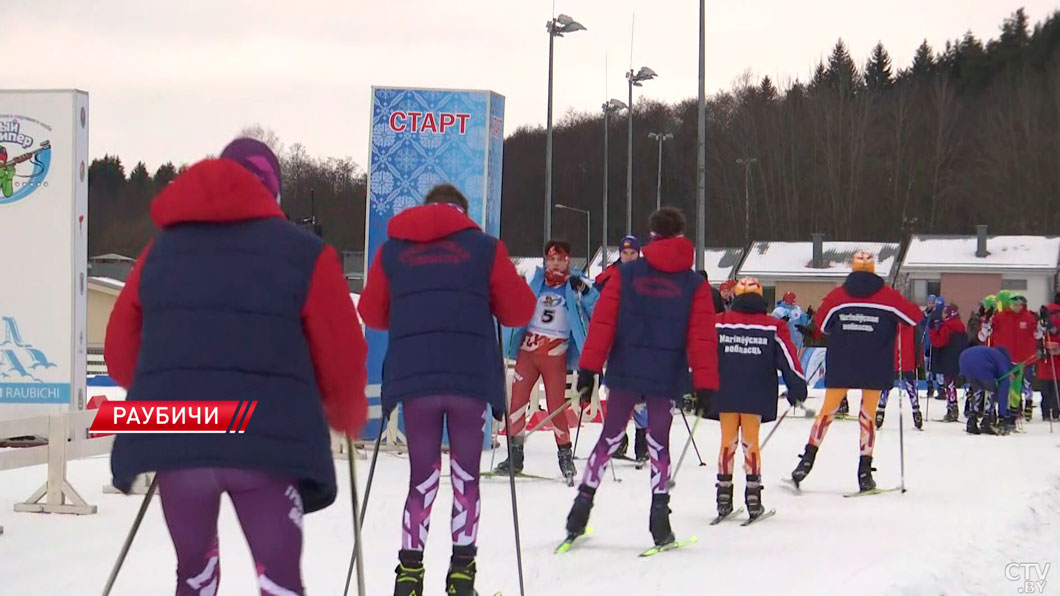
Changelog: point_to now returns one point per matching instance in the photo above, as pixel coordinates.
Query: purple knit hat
(258, 159)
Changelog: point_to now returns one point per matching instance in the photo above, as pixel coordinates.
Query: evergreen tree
(165, 174)
(767, 91)
(924, 63)
(878, 74)
(842, 73)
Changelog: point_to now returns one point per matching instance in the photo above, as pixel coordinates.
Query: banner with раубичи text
(421, 138)
(43, 234)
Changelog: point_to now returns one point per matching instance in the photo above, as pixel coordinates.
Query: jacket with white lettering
(861, 319)
(752, 347)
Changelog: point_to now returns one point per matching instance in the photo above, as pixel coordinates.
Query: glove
(805, 329)
(990, 313)
(809, 312)
(704, 399)
(578, 284)
(585, 385)
(785, 319)
(792, 400)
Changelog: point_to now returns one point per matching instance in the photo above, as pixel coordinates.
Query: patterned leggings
(870, 398)
(735, 426)
(619, 406)
(909, 383)
(466, 420)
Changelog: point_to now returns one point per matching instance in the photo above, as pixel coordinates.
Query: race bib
(550, 316)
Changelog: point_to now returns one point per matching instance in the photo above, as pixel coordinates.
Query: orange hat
(748, 285)
(863, 261)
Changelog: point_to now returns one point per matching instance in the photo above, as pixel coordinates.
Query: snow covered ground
(974, 504)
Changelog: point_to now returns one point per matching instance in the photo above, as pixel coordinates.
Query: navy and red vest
(442, 336)
(649, 355)
(222, 320)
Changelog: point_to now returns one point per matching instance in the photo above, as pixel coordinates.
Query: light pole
(610, 107)
(662, 138)
(635, 80)
(701, 144)
(588, 219)
(747, 162)
(556, 28)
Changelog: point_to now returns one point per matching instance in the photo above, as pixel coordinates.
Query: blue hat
(932, 298)
(629, 242)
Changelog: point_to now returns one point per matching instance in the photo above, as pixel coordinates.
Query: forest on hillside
(966, 134)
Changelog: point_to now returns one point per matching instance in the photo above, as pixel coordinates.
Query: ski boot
(951, 413)
(578, 518)
(515, 462)
(844, 407)
(918, 420)
(1028, 412)
(805, 464)
(1007, 425)
(724, 494)
(659, 520)
(752, 495)
(409, 572)
(566, 463)
(879, 417)
(640, 445)
(972, 428)
(987, 426)
(865, 470)
(461, 578)
(623, 446)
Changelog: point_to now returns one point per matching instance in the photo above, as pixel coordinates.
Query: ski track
(974, 503)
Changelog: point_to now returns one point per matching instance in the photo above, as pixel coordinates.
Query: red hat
(789, 297)
(728, 284)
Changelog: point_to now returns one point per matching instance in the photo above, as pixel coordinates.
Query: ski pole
(673, 479)
(901, 416)
(356, 517)
(515, 512)
(132, 534)
(511, 477)
(354, 556)
(577, 434)
(776, 426)
(547, 419)
(694, 446)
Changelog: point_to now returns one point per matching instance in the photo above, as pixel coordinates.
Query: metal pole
(747, 202)
(588, 244)
(629, 162)
(603, 237)
(701, 153)
(658, 186)
(548, 145)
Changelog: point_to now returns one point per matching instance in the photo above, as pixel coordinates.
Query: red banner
(173, 417)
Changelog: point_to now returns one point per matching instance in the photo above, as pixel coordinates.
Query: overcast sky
(176, 80)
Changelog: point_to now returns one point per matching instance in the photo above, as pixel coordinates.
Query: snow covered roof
(948, 253)
(793, 260)
(113, 257)
(720, 263)
(107, 283)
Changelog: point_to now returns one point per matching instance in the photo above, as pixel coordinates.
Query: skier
(654, 320)
(989, 372)
(949, 338)
(436, 285)
(547, 348)
(1017, 330)
(789, 312)
(1050, 363)
(752, 347)
(975, 323)
(726, 289)
(907, 357)
(932, 312)
(861, 319)
(230, 301)
(629, 250)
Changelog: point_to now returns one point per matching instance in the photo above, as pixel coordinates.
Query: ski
(875, 491)
(520, 475)
(765, 515)
(943, 420)
(669, 546)
(788, 482)
(640, 465)
(717, 520)
(569, 541)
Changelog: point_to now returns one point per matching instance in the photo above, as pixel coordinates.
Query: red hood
(428, 222)
(215, 191)
(671, 255)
